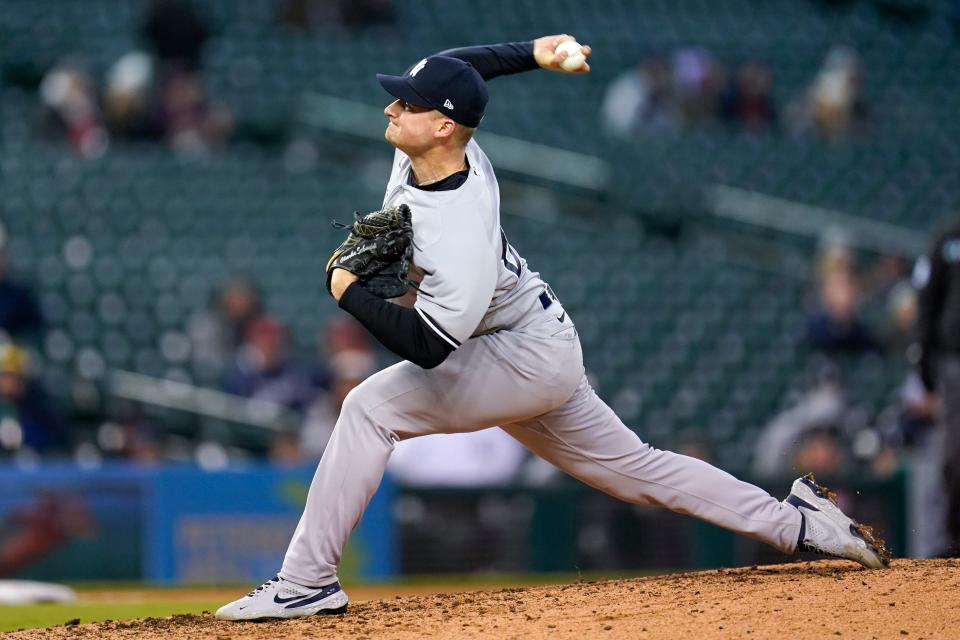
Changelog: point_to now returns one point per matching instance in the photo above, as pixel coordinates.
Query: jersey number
(511, 259)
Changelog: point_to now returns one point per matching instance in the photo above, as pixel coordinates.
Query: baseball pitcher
(487, 343)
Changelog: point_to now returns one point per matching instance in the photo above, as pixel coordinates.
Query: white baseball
(575, 57)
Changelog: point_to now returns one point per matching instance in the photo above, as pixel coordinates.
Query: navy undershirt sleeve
(494, 60)
(399, 329)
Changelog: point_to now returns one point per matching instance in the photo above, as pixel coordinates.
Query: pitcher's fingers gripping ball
(562, 53)
(378, 250)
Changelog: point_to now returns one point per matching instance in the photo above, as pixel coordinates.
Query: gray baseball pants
(530, 381)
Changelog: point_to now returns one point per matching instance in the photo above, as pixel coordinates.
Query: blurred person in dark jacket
(30, 420)
(20, 316)
(346, 353)
(191, 122)
(176, 32)
(834, 325)
(264, 368)
(819, 411)
(698, 83)
(216, 333)
(348, 368)
(639, 100)
(748, 102)
(310, 15)
(937, 276)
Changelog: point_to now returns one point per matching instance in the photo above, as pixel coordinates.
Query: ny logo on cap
(416, 69)
(447, 104)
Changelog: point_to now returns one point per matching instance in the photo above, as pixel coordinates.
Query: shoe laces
(264, 586)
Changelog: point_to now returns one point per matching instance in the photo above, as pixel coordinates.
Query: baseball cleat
(279, 598)
(828, 531)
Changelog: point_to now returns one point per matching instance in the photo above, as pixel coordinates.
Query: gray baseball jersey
(474, 282)
(518, 365)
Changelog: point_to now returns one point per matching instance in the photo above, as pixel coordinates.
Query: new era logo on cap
(440, 82)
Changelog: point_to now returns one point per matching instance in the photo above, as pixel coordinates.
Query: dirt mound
(913, 599)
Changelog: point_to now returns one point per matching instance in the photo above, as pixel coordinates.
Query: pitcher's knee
(354, 402)
(358, 415)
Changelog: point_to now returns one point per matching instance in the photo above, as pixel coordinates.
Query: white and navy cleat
(828, 530)
(279, 598)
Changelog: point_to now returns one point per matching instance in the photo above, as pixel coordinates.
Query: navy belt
(545, 300)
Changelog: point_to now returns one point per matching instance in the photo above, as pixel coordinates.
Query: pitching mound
(914, 599)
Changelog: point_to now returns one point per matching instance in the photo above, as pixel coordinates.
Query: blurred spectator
(820, 451)
(901, 317)
(130, 102)
(834, 325)
(176, 32)
(356, 14)
(834, 105)
(343, 333)
(312, 15)
(820, 411)
(698, 82)
(30, 420)
(747, 102)
(190, 123)
(348, 369)
(884, 276)
(834, 255)
(346, 349)
(639, 100)
(216, 333)
(130, 435)
(264, 369)
(71, 110)
(937, 276)
(690, 90)
(20, 316)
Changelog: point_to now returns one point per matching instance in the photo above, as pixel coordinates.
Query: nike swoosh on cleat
(327, 591)
(280, 600)
(800, 502)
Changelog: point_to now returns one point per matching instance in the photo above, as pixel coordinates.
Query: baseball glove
(378, 250)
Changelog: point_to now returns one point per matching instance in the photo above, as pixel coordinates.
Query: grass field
(46, 615)
(131, 601)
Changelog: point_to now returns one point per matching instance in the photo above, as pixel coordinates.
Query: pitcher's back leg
(586, 439)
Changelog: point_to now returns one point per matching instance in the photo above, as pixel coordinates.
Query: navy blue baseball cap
(449, 85)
